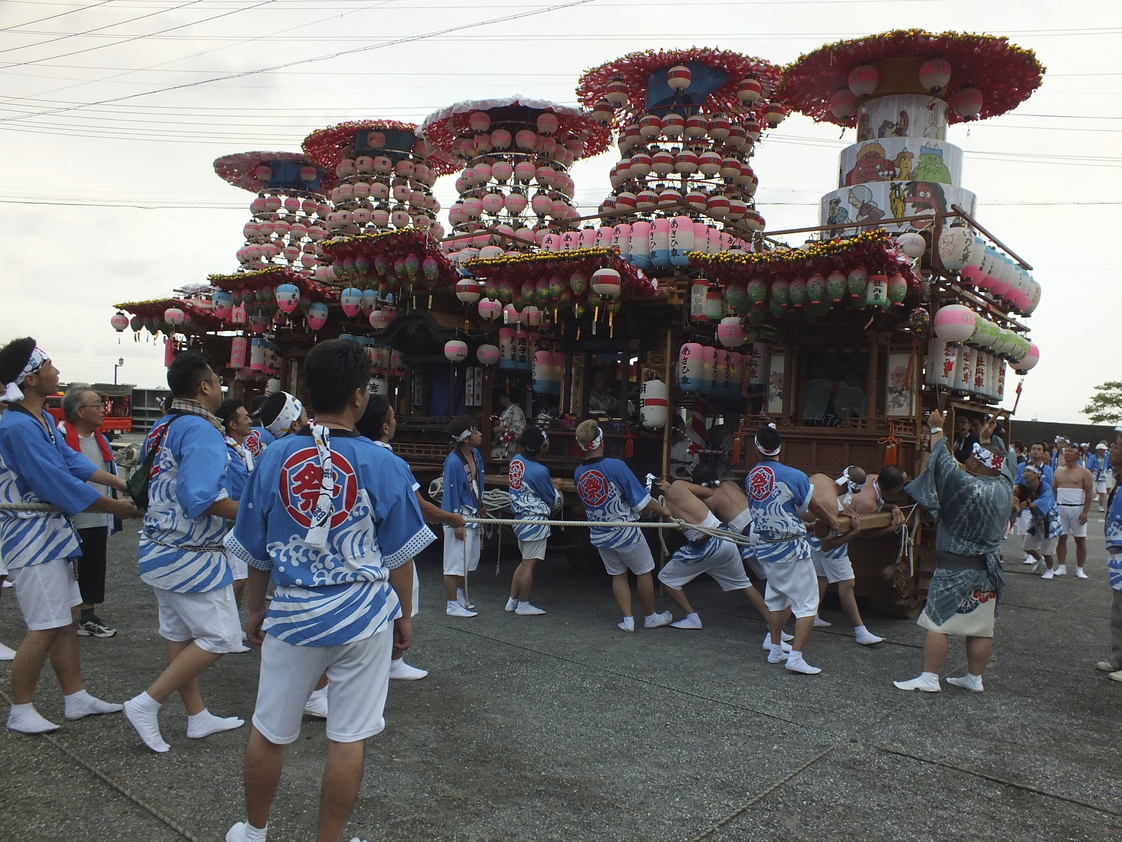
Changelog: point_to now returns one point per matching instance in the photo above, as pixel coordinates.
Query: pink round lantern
(287, 297)
(955, 323)
(380, 319)
(526, 139)
(456, 350)
(487, 354)
(1029, 361)
(489, 309)
(501, 139)
(934, 74)
(263, 173)
(351, 300)
(119, 321)
(967, 103)
(308, 174)
(863, 80)
(317, 315)
(730, 333)
(479, 121)
(174, 316)
(547, 123)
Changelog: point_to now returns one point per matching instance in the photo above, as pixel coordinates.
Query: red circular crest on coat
(300, 481)
(517, 469)
(761, 482)
(593, 488)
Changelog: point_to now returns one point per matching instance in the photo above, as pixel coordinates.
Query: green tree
(1105, 406)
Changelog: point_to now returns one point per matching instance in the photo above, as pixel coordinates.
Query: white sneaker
(1048, 574)
(690, 622)
(819, 623)
(7, 653)
(404, 672)
(1061, 570)
(462, 600)
(457, 610)
(1037, 567)
(1029, 560)
(525, 609)
(659, 620)
(919, 683)
(1079, 574)
(511, 604)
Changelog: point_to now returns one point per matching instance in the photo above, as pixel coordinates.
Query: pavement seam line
(995, 779)
(144, 805)
(739, 811)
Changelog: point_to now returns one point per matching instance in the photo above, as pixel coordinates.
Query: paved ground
(561, 727)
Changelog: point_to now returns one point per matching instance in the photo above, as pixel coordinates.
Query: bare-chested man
(1073, 485)
(831, 555)
(712, 502)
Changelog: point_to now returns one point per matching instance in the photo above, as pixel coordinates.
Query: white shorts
(791, 583)
(635, 557)
(533, 549)
(238, 567)
(832, 569)
(721, 561)
(1100, 486)
(1069, 520)
(209, 618)
(454, 551)
(358, 676)
(46, 592)
(1044, 546)
(1022, 523)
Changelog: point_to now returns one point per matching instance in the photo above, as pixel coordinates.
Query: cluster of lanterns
(379, 276)
(255, 356)
(284, 230)
(957, 324)
(515, 168)
(813, 296)
(720, 373)
(384, 189)
(987, 269)
(934, 74)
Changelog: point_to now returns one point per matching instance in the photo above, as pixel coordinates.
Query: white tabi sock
(245, 832)
(143, 713)
(27, 720)
(205, 723)
(627, 624)
(690, 621)
(778, 654)
(967, 682)
(511, 603)
(928, 682)
(80, 704)
(795, 663)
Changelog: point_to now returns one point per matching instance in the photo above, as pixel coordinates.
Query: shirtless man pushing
(1073, 485)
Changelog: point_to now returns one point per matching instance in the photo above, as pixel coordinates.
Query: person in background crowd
(512, 421)
(235, 421)
(610, 492)
(600, 400)
(1044, 529)
(1021, 452)
(36, 466)
(964, 436)
(533, 496)
(181, 552)
(1038, 456)
(328, 495)
(1072, 485)
(463, 495)
(971, 504)
(259, 438)
(283, 414)
(1113, 532)
(1101, 468)
(379, 423)
(83, 412)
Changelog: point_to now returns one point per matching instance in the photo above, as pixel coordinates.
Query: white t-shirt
(90, 520)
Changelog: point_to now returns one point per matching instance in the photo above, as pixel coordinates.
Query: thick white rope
(673, 523)
(45, 508)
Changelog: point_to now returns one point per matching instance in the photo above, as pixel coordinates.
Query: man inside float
(831, 554)
(710, 501)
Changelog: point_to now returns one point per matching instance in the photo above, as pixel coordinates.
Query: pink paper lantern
(863, 80)
(955, 323)
(934, 74)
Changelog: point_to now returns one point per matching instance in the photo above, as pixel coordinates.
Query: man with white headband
(831, 554)
(283, 414)
(181, 552)
(610, 492)
(332, 519)
(37, 467)
(1073, 486)
(971, 504)
(778, 495)
(463, 494)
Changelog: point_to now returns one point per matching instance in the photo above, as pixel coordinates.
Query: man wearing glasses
(83, 411)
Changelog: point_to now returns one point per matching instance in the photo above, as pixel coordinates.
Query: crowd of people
(314, 522)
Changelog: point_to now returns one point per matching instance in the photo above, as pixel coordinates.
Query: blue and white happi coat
(1114, 542)
(776, 494)
(461, 494)
(610, 492)
(1045, 514)
(180, 545)
(37, 466)
(341, 593)
(532, 495)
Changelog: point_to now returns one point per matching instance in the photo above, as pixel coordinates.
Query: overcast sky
(112, 112)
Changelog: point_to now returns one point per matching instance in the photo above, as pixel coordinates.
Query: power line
(52, 17)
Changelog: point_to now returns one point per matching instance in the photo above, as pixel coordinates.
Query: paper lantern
(749, 90)
(120, 321)
(678, 78)
(468, 290)
(934, 74)
(967, 103)
(835, 286)
(730, 333)
(351, 300)
(456, 350)
(654, 404)
(773, 114)
(876, 293)
(174, 316)
(955, 248)
(816, 289)
(287, 297)
(317, 315)
(380, 319)
(690, 367)
(863, 80)
(781, 293)
(223, 305)
(843, 104)
(606, 282)
(487, 354)
(547, 123)
(955, 323)
(1029, 360)
(797, 292)
(912, 244)
(757, 292)
(602, 112)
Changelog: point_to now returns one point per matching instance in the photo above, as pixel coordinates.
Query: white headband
(844, 481)
(464, 436)
(762, 449)
(595, 443)
(289, 415)
(991, 460)
(12, 391)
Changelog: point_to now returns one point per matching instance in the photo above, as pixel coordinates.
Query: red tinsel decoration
(239, 169)
(327, 147)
